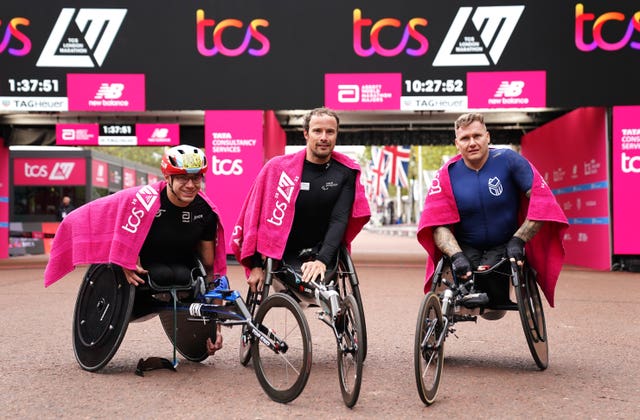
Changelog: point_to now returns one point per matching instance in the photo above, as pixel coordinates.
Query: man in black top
(323, 205)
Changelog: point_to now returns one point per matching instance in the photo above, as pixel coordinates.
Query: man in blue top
(487, 185)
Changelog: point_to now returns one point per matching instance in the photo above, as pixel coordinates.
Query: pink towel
(266, 216)
(544, 251)
(112, 229)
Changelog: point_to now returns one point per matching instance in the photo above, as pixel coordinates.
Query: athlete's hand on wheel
(515, 250)
(461, 265)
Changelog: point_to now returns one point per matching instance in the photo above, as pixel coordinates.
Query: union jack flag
(377, 174)
(398, 164)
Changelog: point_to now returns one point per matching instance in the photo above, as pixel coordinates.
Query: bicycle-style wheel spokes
(428, 348)
(532, 317)
(350, 352)
(283, 373)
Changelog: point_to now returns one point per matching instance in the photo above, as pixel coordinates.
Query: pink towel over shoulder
(544, 251)
(112, 229)
(266, 215)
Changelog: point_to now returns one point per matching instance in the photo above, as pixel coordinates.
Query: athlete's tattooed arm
(445, 241)
(528, 229)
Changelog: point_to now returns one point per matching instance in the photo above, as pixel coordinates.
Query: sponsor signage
(366, 91)
(626, 179)
(577, 173)
(117, 134)
(224, 57)
(100, 173)
(128, 178)
(158, 134)
(523, 89)
(115, 177)
(106, 92)
(234, 149)
(49, 171)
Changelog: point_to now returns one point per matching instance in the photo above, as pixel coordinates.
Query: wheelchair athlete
(486, 204)
(184, 225)
(304, 200)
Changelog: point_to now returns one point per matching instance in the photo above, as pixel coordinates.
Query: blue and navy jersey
(488, 199)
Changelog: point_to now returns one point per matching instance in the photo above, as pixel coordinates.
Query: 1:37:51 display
(33, 85)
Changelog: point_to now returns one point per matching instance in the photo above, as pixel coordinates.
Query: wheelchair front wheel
(101, 315)
(349, 285)
(282, 374)
(428, 356)
(532, 317)
(350, 351)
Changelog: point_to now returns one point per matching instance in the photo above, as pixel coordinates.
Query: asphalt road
(489, 373)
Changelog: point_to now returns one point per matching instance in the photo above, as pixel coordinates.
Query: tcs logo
(12, 31)
(409, 32)
(251, 33)
(630, 164)
(226, 166)
(614, 20)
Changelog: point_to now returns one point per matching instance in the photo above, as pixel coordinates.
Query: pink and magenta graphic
(106, 92)
(512, 89)
(363, 91)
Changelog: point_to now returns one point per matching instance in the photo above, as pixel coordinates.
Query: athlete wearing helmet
(184, 226)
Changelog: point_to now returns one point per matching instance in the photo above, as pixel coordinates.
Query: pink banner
(4, 200)
(571, 154)
(234, 147)
(106, 92)
(49, 171)
(513, 89)
(100, 174)
(626, 178)
(158, 134)
(77, 134)
(363, 91)
(128, 177)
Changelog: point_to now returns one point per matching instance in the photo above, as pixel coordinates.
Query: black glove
(460, 264)
(515, 249)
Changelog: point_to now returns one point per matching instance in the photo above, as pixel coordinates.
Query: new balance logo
(160, 133)
(493, 24)
(109, 91)
(509, 89)
(81, 37)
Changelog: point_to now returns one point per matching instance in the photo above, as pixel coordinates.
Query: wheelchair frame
(349, 330)
(105, 305)
(442, 307)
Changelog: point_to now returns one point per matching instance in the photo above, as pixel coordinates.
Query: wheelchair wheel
(532, 317)
(283, 374)
(350, 354)
(349, 285)
(246, 338)
(101, 315)
(428, 357)
(191, 336)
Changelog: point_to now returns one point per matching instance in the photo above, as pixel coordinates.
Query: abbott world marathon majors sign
(353, 54)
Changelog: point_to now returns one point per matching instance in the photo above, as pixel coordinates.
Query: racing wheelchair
(189, 311)
(444, 305)
(340, 303)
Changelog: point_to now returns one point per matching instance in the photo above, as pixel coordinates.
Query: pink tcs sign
(571, 154)
(513, 89)
(106, 92)
(234, 148)
(49, 171)
(363, 91)
(626, 179)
